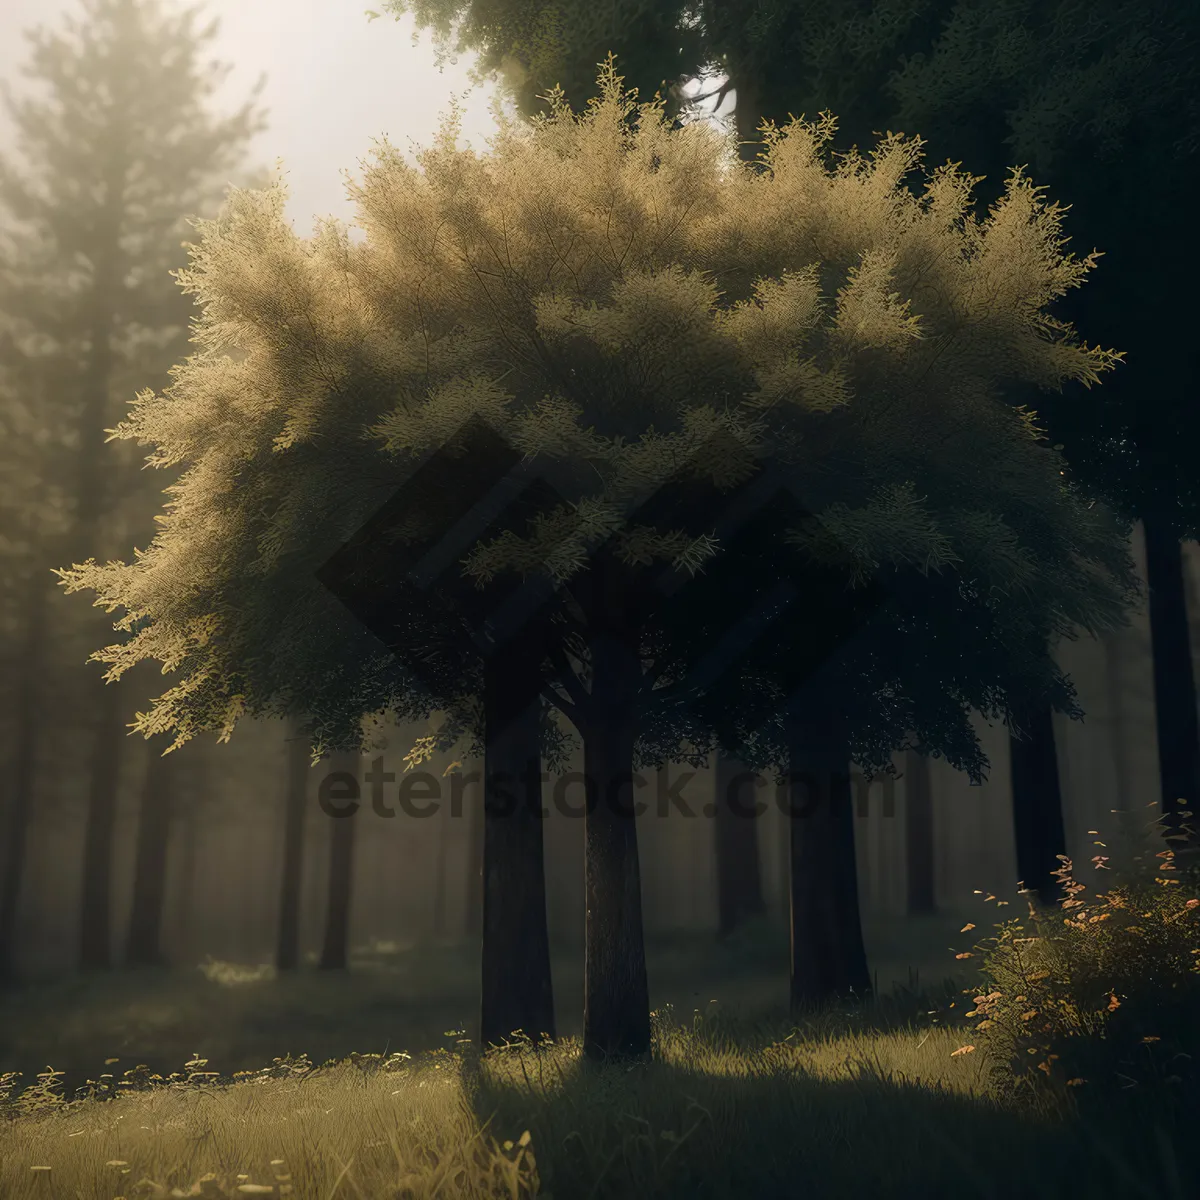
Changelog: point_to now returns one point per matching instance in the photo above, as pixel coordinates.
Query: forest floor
(240, 1016)
(737, 1100)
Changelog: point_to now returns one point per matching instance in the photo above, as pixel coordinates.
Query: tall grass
(1070, 1070)
(864, 1100)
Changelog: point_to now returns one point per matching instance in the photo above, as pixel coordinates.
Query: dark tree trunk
(747, 114)
(1037, 805)
(616, 1005)
(439, 876)
(918, 834)
(287, 950)
(20, 793)
(473, 921)
(95, 945)
(853, 951)
(1174, 680)
(150, 863)
(739, 882)
(194, 796)
(517, 993)
(335, 952)
(828, 957)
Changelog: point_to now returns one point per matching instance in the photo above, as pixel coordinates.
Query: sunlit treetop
(619, 303)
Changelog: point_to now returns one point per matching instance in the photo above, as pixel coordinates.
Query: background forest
(129, 868)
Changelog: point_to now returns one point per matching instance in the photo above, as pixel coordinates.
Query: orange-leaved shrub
(1101, 992)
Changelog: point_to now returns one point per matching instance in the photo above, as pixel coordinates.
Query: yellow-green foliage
(610, 297)
(1101, 992)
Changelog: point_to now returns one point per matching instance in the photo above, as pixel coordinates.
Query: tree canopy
(570, 290)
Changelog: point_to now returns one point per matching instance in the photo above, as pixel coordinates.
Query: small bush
(1101, 993)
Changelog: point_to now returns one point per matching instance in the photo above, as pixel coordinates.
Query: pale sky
(335, 80)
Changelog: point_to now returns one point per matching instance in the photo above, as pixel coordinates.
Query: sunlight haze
(335, 80)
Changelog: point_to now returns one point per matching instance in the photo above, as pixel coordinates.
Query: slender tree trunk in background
(193, 796)
(150, 863)
(287, 950)
(616, 1005)
(335, 952)
(739, 880)
(439, 876)
(852, 960)
(1127, 819)
(918, 834)
(1174, 679)
(473, 921)
(784, 849)
(95, 942)
(19, 809)
(517, 993)
(1037, 805)
(828, 956)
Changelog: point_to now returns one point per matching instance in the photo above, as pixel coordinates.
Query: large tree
(121, 146)
(556, 293)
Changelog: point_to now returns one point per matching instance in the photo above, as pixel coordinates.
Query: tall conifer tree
(117, 147)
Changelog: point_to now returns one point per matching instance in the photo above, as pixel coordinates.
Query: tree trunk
(1174, 680)
(20, 792)
(747, 114)
(150, 864)
(1037, 805)
(193, 797)
(616, 1006)
(739, 881)
(828, 957)
(473, 921)
(287, 950)
(918, 834)
(439, 875)
(95, 944)
(1128, 820)
(335, 952)
(517, 993)
(852, 960)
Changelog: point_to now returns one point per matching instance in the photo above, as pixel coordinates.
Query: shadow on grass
(731, 1115)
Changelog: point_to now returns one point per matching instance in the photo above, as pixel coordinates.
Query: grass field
(736, 1101)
